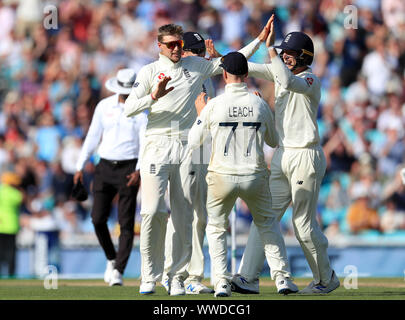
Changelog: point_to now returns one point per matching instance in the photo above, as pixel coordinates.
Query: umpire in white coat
(239, 123)
(119, 141)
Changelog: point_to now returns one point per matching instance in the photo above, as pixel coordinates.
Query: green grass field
(33, 289)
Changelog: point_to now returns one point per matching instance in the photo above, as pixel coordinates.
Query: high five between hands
(267, 35)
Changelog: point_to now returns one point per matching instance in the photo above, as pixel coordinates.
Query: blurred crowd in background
(52, 78)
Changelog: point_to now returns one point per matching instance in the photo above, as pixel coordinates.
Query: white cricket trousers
(296, 176)
(195, 268)
(200, 159)
(223, 190)
(164, 162)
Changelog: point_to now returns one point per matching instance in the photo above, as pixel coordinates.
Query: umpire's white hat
(123, 82)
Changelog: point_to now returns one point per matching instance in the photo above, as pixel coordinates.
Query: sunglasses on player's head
(196, 51)
(172, 44)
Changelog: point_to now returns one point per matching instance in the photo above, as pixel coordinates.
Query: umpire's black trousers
(110, 178)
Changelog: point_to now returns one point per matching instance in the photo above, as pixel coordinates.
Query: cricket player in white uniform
(239, 123)
(171, 115)
(298, 164)
(194, 45)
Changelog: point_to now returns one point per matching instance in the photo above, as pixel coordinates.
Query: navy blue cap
(234, 63)
(193, 40)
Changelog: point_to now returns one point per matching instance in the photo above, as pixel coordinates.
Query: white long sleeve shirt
(296, 103)
(121, 137)
(174, 113)
(239, 123)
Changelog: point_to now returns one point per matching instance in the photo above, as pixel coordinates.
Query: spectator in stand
(360, 216)
(392, 219)
(11, 199)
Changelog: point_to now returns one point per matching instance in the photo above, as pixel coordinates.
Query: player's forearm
(134, 105)
(280, 70)
(288, 80)
(195, 136)
(260, 70)
(251, 48)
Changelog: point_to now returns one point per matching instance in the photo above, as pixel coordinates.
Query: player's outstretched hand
(212, 52)
(161, 88)
(200, 102)
(271, 38)
(266, 30)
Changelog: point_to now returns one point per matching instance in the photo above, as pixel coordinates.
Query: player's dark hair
(169, 30)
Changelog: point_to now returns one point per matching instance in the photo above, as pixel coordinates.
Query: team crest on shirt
(309, 81)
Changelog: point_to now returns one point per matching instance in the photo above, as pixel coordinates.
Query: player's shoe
(177, 288)
(147, 287)
(116, 278)
(223, 289)
(285, 285)
(165, 284)
(194, 287)
(109, 270)
(319, 288)
(241, 285)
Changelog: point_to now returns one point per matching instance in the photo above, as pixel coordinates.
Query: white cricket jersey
(239, 123)
(296, 103)
(174, 113)
(121, 137)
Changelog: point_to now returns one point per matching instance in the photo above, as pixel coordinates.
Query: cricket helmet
(302, 44)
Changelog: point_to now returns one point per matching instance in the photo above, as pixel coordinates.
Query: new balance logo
(300, 182)
(243, 280)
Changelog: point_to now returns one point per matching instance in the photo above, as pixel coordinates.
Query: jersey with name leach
(239, 122)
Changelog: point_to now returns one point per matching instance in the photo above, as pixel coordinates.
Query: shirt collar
(116, 102)
(307, 70)
(235, 87)
(169, 63)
